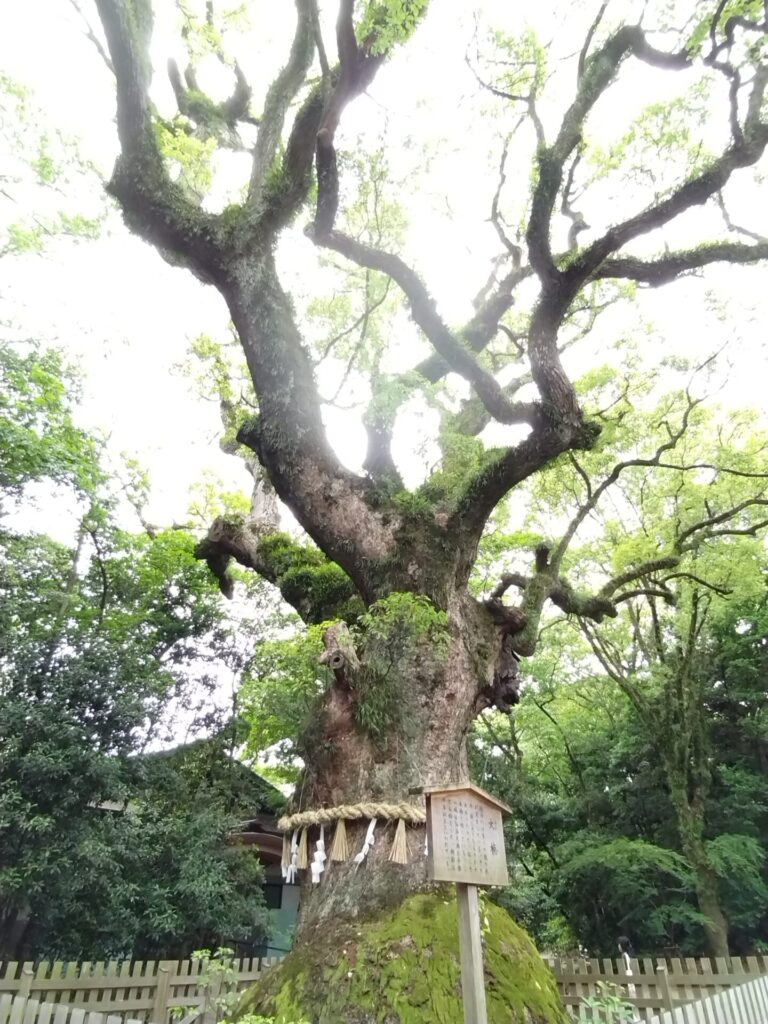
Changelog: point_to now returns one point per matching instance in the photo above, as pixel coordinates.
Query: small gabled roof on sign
(468, 787)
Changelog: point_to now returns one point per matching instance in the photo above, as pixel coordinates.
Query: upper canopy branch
(670, 266)
(280, 95)
(504, 469)
(455, 355)
(694, 192)
(154, 206)
(597, 74)
(747, 147)
(219, 120)
(356, 69)
(597, 492)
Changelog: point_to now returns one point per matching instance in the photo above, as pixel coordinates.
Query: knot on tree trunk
(504, 691)
(226, 540)
(340, 654)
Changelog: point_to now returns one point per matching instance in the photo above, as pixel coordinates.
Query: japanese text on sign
(466, 840)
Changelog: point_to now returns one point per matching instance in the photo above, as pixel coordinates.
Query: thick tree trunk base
(403, 967)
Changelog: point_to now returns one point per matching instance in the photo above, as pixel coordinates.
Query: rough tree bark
(375, 540)
(690, 817)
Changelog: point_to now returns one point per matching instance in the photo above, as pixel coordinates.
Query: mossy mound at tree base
(404, 968)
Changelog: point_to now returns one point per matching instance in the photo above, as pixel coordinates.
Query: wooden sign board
(465, 836)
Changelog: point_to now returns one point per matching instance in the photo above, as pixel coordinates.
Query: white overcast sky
(129, 317)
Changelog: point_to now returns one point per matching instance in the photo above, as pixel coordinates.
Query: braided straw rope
(325, 815)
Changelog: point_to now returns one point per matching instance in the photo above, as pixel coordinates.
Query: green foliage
(89, 662)
(387, 23)
(40, 439)
(739, 861)
(586, 776)
(463, 457)
(609, 1005)
(525, 62)
(632, 882)
(650, 151)
(188, 156)
(256, 1018)
(395, 634)
(209, 500)
(699, 39)
(38, 165)
(400, 622)
(280, 692)
(108, 850)
(217, 978)
(308, 579)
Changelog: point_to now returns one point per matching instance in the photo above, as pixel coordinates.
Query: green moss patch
(403, 968)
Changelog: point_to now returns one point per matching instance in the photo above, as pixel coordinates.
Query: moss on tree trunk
(378, 942)
(402, 967)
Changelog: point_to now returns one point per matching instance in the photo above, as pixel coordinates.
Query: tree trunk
(383, 734)
(709, 904)
(690, 815)
(378, 942)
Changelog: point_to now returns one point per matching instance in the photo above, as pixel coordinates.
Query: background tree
(392, 548)
(98, 638)
(40, 166)
(594, 846)
(678, 516)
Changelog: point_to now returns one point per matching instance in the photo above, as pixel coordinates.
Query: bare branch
(735, 227)
(693, 535)
(155, 207)
(578, 223)
(613, 476)
(588, 41)
(629, 595)
(582, 473)
(359, 322)
(424, 312)
(321, 54)
(714, 587)
(639, 572)
(279, 97)
(670, 266)
(729, 471)
(92, 37)
(514, 250)
(480, 330)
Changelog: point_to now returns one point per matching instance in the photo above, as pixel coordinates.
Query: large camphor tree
(426, 656)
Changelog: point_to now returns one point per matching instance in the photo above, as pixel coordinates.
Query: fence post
(162, 989)
(664, 990)
(25, 981)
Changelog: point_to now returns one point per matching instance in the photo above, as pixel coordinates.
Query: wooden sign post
(466, 846)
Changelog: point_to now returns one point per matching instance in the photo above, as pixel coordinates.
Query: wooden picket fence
(145, 991)
(744, 1004)
(170, 992)
(20, 1010)
(656, 985)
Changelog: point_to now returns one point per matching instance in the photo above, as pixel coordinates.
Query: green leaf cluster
(41, 441)
(105, 850)
(388, 23)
